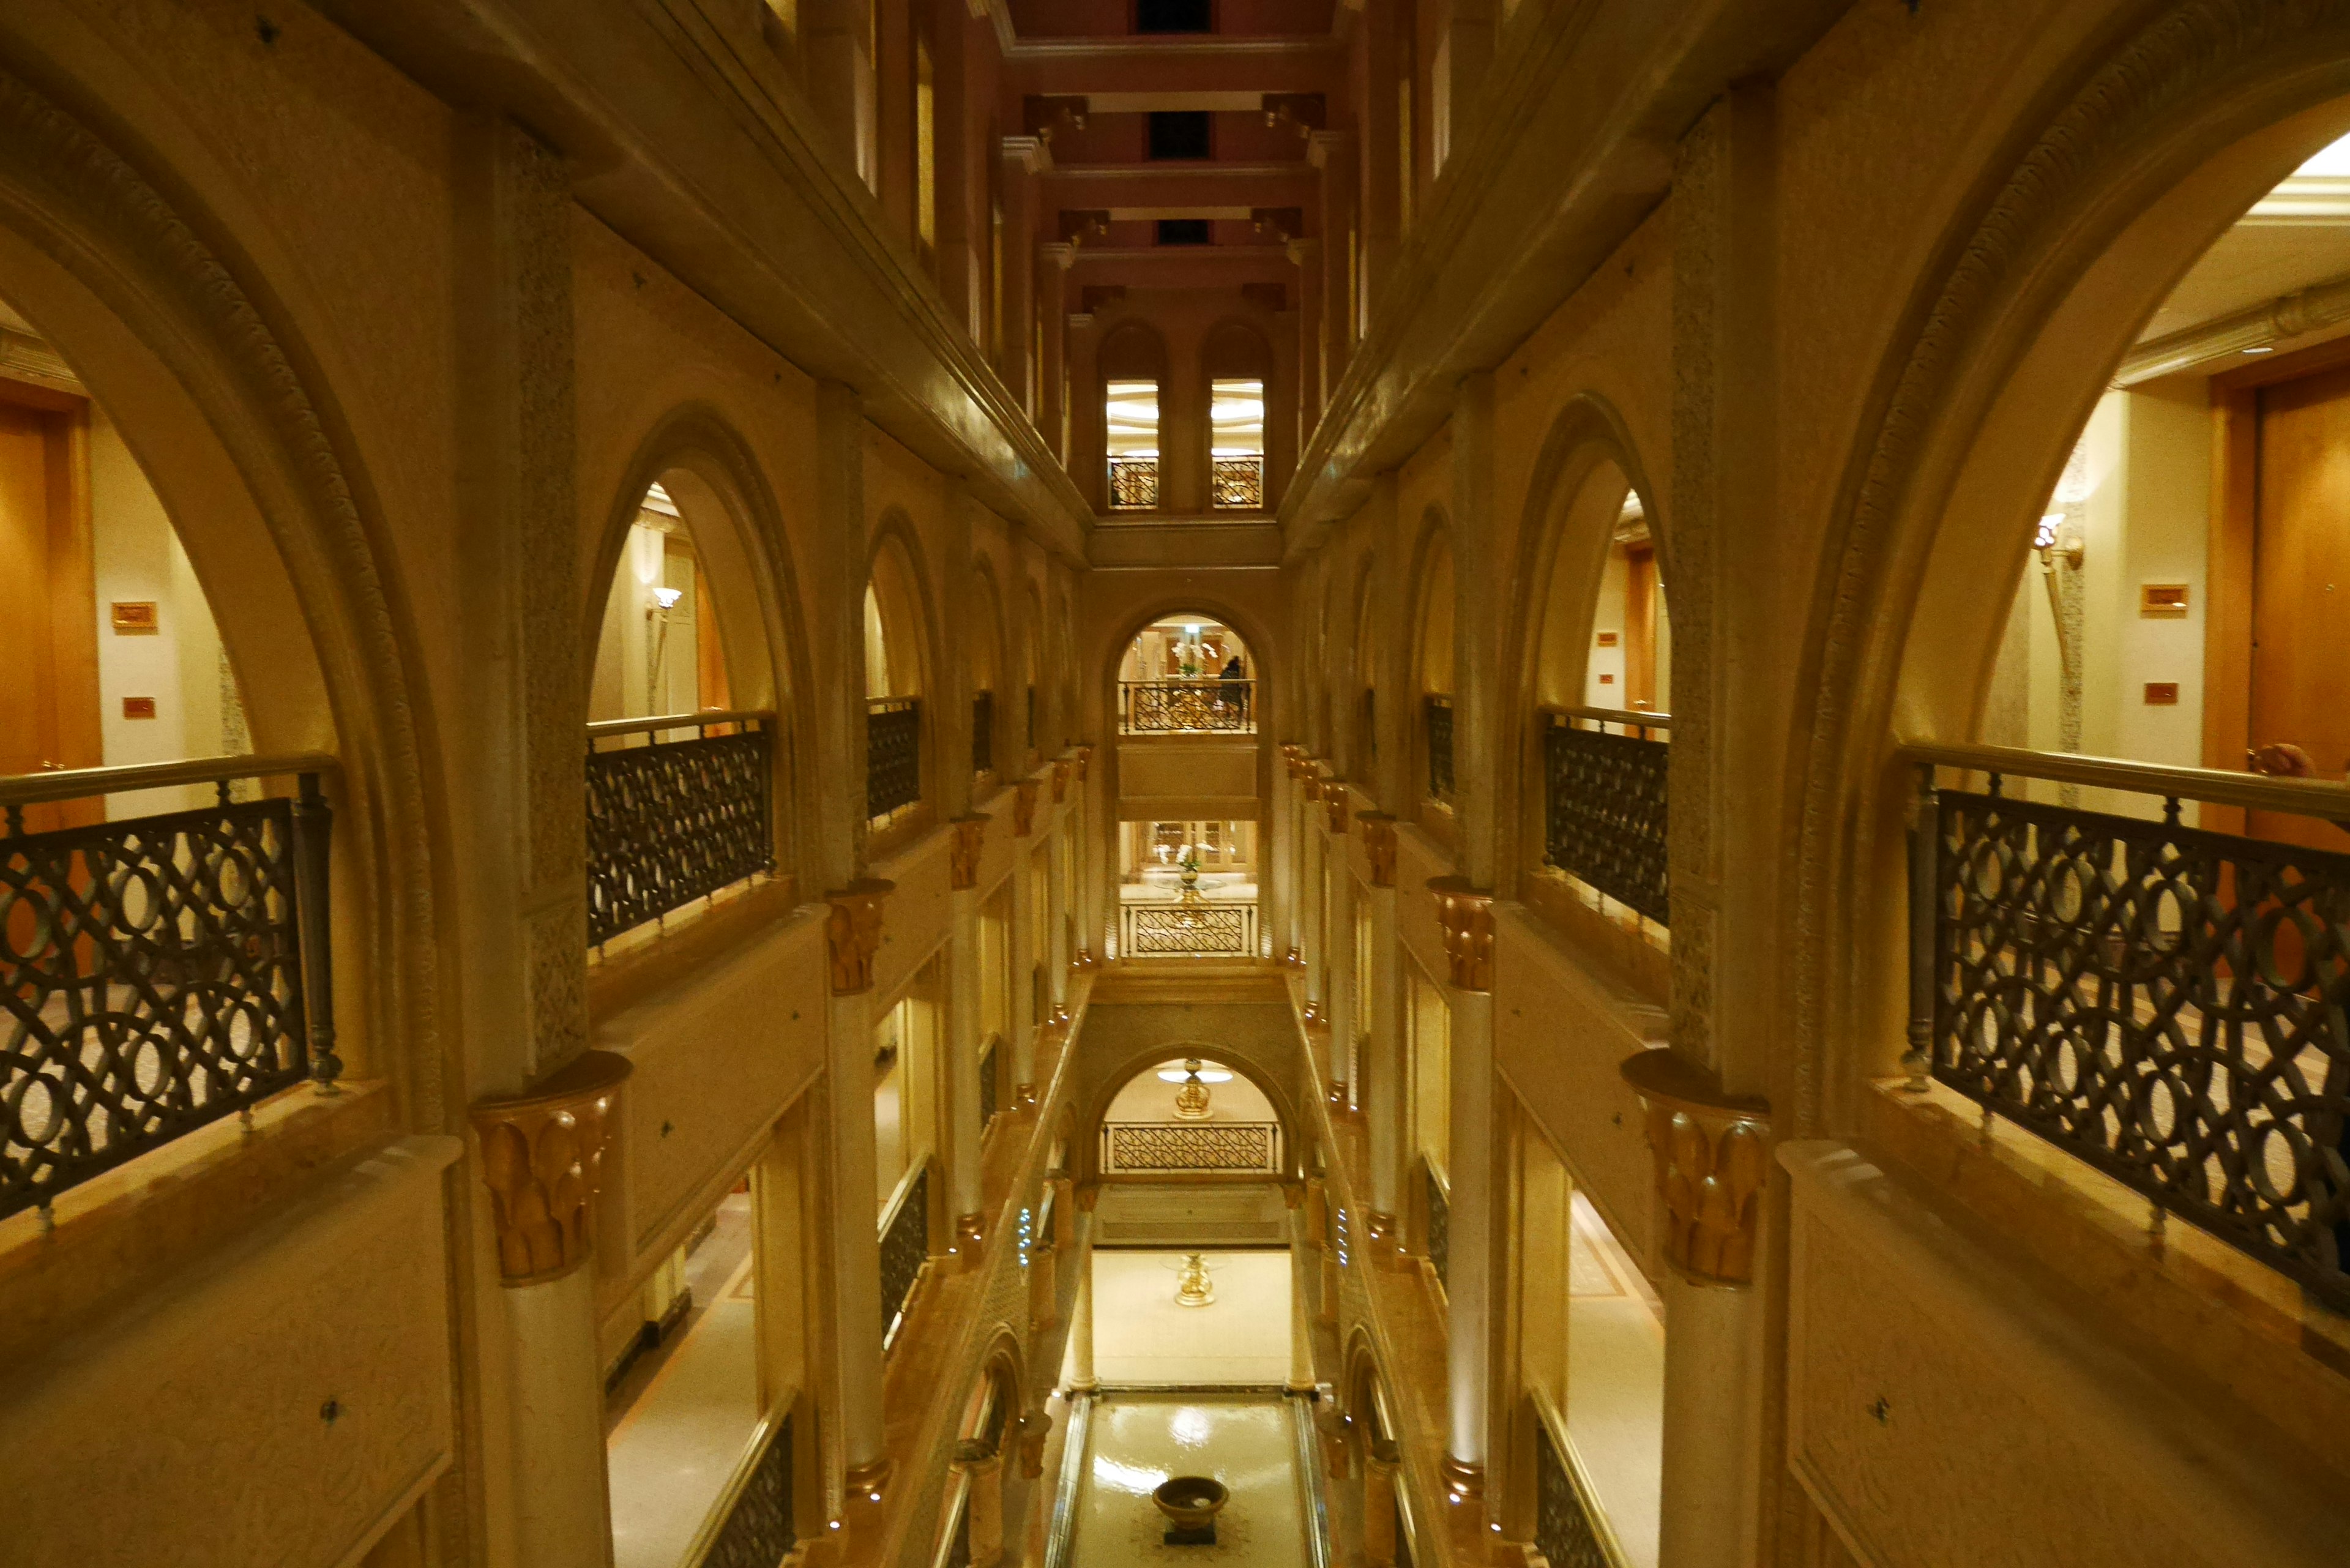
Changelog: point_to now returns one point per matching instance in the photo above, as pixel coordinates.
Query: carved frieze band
(542, 1154)
(853, 932)
(1467, 916)
(1712, 1156)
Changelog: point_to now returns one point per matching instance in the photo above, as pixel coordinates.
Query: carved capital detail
(1024, 809)
(1084, 761)
(1467, 916)
(1060, 780)
(1713, 1155)
(1337, 802)
(854, 933)
(542, 1153)
(963, 855)
(1379, 845)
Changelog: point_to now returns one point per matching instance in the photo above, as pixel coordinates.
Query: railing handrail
(603, 729)
(2259, 792)
(1636, 717)
(1127, 1122)
(1191, 680)
(72, 783)
(892, 704)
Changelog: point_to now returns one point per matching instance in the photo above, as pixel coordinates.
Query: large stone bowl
(1191, 1502)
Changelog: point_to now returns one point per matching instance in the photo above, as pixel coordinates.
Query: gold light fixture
(1192, 1286)
(1192, 1094)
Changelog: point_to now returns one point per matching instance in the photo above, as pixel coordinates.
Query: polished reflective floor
(1135, 1440)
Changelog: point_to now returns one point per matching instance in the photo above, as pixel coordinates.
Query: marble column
(982, 1465)
(965, 1127)
(1380, 1088)
(1092, 875)
(1310, 876)
(541, 1152)
(1380, 1502)
(1053, 355)
(1333, 153)
(1339, 985)
(1280, 911)
(1022, 157)
(1024, 1022)
(1301, 1292)
(1467, 916)
(1087, 459)
(1081, 1306)
(1057, 884)
(1306, 257)
(854, 933)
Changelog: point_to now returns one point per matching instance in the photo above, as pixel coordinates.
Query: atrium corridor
(1063, 784)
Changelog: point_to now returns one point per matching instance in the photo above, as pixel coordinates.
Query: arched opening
(1133, 363)
(1239, 366)
(983, 656)
(896, 660)
(1432, 675)
(1187, 673)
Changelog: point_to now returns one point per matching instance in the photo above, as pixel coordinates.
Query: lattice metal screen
(893, 755)
(1605, 813)
(1439, 1226)
(1239, 484)
(1190, 1146)
(1193, 931)
(1154, 706)
(1439, 746)
(758, 1530)
(1133, 483)
(670, 823)
(1564, 1531)
(153, 984)
(905, 1248)
(983, 731)
(2166, 1003)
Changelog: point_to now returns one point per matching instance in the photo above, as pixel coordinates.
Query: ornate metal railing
(1604, 803)
(1133, 483)
(1238, 483)
(2164, 1002)
(893, 755)
(905, 1248)
(1439, 1224)
(670, 821)
(1566, 1531)
(1439, 723)
(160, 973)
(1190, 930)
(990, 1095)
(983, 731)
(1206, 702)
(1127, 1146)
(757, 1531)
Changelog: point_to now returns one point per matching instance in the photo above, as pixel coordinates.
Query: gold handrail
(1638, 717)
(73, 783)
(604, 728)
(2259, 792)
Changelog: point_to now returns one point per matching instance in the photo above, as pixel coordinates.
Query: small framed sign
(138, 707)
(2162, 601)
(1608, 639)
(2162, 693)
(134, 618)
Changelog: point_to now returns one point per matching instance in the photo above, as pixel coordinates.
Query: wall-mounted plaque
(1608, 639)
(134, 618)
(2162, 693)
(138, 707)
(2162, 601)
(1607, 680)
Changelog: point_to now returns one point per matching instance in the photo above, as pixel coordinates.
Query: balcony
(1237, 484)
(893, 755)
(1604, 781)
(1436, 709)
(1134, 483)
(678, 808)
(1200, 705)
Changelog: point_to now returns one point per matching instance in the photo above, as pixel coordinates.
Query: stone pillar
(1711, 1152)
(1301, 1292)
(1339, 938)
(1467, 916)
(1086, 457)
(540, 1156)
(982, 1468)
(1081, 1306)
(1022, 157)
(1379, 1502)
(1379, 1088)
(1279, 914)
(1333, 153)
(837, 63)
(1326, 1262)
(1310, 878)
(1093, 876)
(1385, 164)
(1053, 368)
(965, 1128)
(1306, 257)
(854, 933)
(1024, 1022)
(1057, 884)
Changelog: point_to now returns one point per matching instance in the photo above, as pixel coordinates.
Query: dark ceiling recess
(1182, 231)
(1180, 134)
(1173, 16)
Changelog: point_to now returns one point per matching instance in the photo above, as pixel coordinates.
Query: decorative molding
(964, 854)
(1024, 807)
(542, 1154)
(1379, 847)
(853, 932)
(1712, 1156)
(1467, 916)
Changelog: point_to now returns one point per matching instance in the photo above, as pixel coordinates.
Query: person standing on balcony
(1235, 689)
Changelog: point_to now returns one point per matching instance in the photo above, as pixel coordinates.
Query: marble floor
(1616, 1382)
(1143, 1336)
(1137, 1441)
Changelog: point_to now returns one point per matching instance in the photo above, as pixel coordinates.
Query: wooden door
(49, 611)
(2300, 664)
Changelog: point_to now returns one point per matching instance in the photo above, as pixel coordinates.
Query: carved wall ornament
(1060, 780)
(1713, 1155)
(542, 1153)
(1467, 916)
(854, 933)
(1337, 802)
(1024, 809)
(964, 854)
(1379, 847)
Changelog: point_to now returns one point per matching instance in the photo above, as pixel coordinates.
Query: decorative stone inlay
(963, 855)
(1713, 1155)
(1467, 916)
(1024, 809)
(541, 1154)
(854, 933)
(1060, 780)
(1379, 847)
(1337, 802)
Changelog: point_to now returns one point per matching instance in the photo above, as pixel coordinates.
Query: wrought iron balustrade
(1566, 1532)
(983, 731)
(1605, 802)
(1209, 928)
(1204, 702)
(905, 1248)
(758, 1531)
(162, 972)
(2166, 1003)
(1439, 723)
(1238, 483)
(677, 809)
(1439, 1224)
(1133, 483)
(1194, 1147)
(893, 755)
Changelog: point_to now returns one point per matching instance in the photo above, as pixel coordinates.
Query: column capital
(1379, 845)
(1712, 1156)
(854, 932)
(963, 855)
(1060, 780)
(1336, 802)
(1024, 807)
(542, 1154)
(1085, 757)
(1466, 914)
